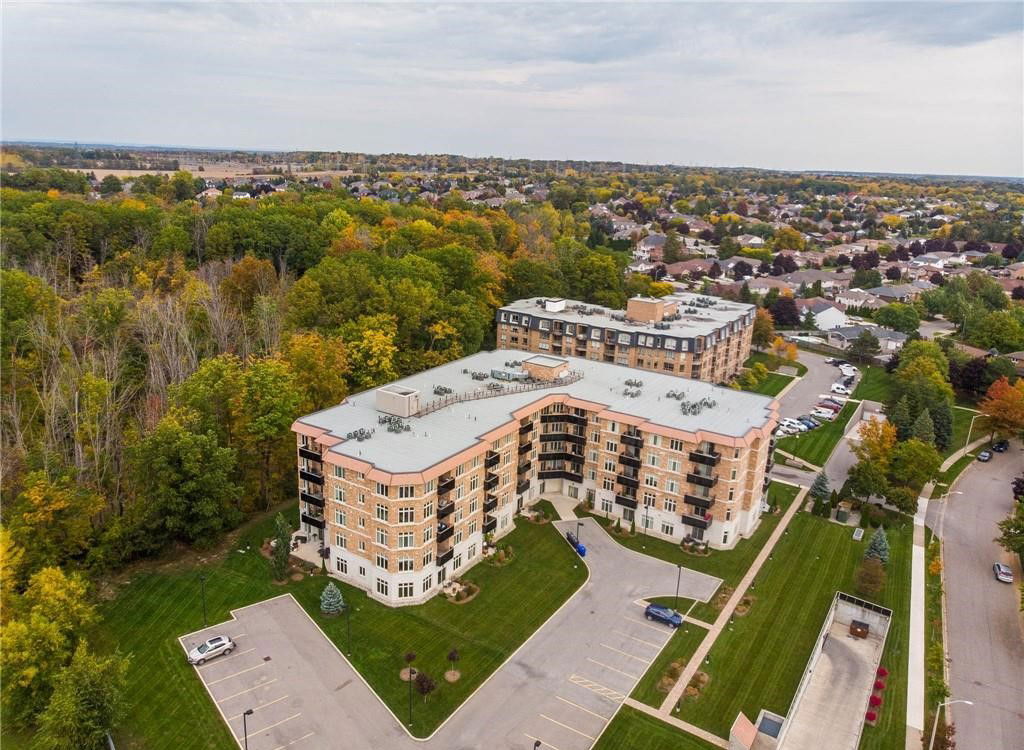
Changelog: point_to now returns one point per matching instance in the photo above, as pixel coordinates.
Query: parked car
(841, 389)
(1001, 446)
(211, 647)
(831, 361)
(666, 615)
(829, 406)
(794, 424)
(823, 413)
(811, 424)
(985, 456)
(1003, 573)
(848, 382)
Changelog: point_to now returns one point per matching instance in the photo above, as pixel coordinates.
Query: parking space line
(538, 739)
(247, 690)
(264, 729)
(303, 737)
(646, 625)
(214, 682)
(597, 688)
(601, 664)
(611, 648)
(226, 657)
(581, 708)
(640, 640)
(264, 705)
(566, 726)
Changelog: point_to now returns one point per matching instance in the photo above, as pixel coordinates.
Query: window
(339, 494)
(474, 483)
(673, 465)
(361, 522)
(339, 517)
(404, 590)
(652, 459)
(382, 561)
(405, 564)
(406, 490)
(733, 474)
(591, 475)
(362, 498)
(732, 491)
(609, 445)
(728, 514)
(340, 541)
(650, 481)
(725, 537)
(473, 505)
(608, 483)
(471, 552)
(341, 564)
(458, 538)
(428, 510)
(648, 522)
(362, 571)
(428, 534)
(458, 562)
(362, 545)
(406, 515)
(430, 486)
(382, 538)
(675, 445)
(595, 437)
(667, 529)
(671, 485)
(382, 512)
(382, 489)
(406, 540)
(382, 587)
(649, 499)
(428, 557)
(609, 465)
(472, 528)
(670, 504)
(428, 582)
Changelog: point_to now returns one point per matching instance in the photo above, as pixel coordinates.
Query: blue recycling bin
(582, 550)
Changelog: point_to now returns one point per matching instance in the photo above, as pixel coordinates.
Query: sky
(879, 86)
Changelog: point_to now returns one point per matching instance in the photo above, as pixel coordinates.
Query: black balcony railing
(561, 456)
(523, 467)
(635, 440)
(311, 455)
(523, 429)
(625, 501)
(702, 480)
(445, 486)
(628, 481)
(444, 511)
(445, 532)
(315, 521)
(312, 499)
(567, 437)
(705, 458)
(570, 418)
(697, 521)
(490, 524)
(311, 476)
(522, 486)
(492, 460)
(490, 481)
(703, 503)
(560, 474)
(525, 448)
(490, 503)
(445, 556)
(626, 460)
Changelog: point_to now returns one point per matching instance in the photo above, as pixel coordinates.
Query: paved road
(561, 688)
(802, 397)
(986, 642)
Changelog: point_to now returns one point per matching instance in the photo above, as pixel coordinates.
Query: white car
(822, 413)
(211, 647)
(793, 424)
(842, 390)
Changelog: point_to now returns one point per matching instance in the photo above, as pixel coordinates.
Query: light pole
(348, 628)
(967, 440)
(409, 659)
(679, 573)
(202, 589)
(935, 723)
(536, 745)
(245, 727)
(579, 525)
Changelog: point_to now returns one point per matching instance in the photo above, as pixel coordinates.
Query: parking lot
(560, 688)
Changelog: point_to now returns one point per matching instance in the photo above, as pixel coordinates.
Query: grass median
(815, 446)
(168, 707)
(637, 731)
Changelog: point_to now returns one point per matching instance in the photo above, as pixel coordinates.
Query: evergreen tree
(670, 250)
(281, 552)
(900, 418)
(878, 547)
(923, 428)
(942, 423)
(820, 489)
(331, 600)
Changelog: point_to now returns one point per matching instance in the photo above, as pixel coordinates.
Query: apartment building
(402, 485)
(690, 335)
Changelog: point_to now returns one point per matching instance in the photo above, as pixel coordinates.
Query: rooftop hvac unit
(398, 400)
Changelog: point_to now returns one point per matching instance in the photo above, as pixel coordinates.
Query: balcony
(445, 486)
(490, 503)
(635, 440)
(492, 460)
(522, 486)
(627, 460)
(704, 503)
(312, 499)
(628, 481)
(570, 418)
(443, 511)
(445, 531)
(311, 476)
(490, 481)
(698, 522)
(525, 448)
(524, 467)
(523, 429)
(445, 557)
(490, 525)
(576, 458)
(315, 521)
(567, 437)
(707, 459)
(311, 455)
(702, 480)
(560, 474)
(625, 501)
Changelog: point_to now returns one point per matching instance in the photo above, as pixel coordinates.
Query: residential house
(827, 314)
(888, 340)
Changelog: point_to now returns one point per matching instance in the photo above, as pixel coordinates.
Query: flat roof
(700, 314)
(450, 429)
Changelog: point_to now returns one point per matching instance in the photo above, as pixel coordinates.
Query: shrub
(875, 701)
(870, 577)
(878, 547)
(882, 672)
(331, 601)
(871, 716)
(879, 685)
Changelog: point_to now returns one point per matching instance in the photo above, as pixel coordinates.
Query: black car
(1001, 446)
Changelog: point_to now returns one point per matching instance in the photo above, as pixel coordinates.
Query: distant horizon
(180, 147)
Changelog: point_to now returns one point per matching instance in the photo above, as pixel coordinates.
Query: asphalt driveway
(560, 688)
(807, 392)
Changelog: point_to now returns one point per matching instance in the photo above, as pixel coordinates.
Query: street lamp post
(935, 723)
(579, 525)
(245, 727)
(679, 573)
(348, 628)
(202, 589)
(970, 430)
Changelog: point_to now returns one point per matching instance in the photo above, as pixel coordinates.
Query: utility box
(859, 629)
(398, 400)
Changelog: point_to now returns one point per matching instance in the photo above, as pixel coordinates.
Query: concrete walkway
(564, 506)
(962, 452)
(696, 731)
(723, 618)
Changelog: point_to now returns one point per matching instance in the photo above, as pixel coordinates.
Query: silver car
(1003, 573)
(211, 647)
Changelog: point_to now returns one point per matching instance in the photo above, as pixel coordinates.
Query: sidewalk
(963, 452)
(723, 618)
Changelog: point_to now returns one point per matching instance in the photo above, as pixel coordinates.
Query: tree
(865, 347)
(764, 329)
(453, 658)
(820, 488)
(899, 317)
(741, 270)
(715, 271)
(867, 479)
(331, 600)
(425, 684)
(942, 422)
(87, 702)
(900, 417)
(893, 273)
(670, 250)
(878, 547)
(785, 312)
(866, 278)
(319, 366)
(914, 463)
(279, 556)
(1003, 407)
(111, 185)
(870, 577)
(923, 429)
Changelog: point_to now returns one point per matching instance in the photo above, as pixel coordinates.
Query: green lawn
(680, 647)
(771, 385)
(947, 477)
(875, 385)
(817, 445)
(759, 662)
(773, 363)
(636, 730)
(170, 709)
(961, 424)
(935, 677)
(729, 565)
